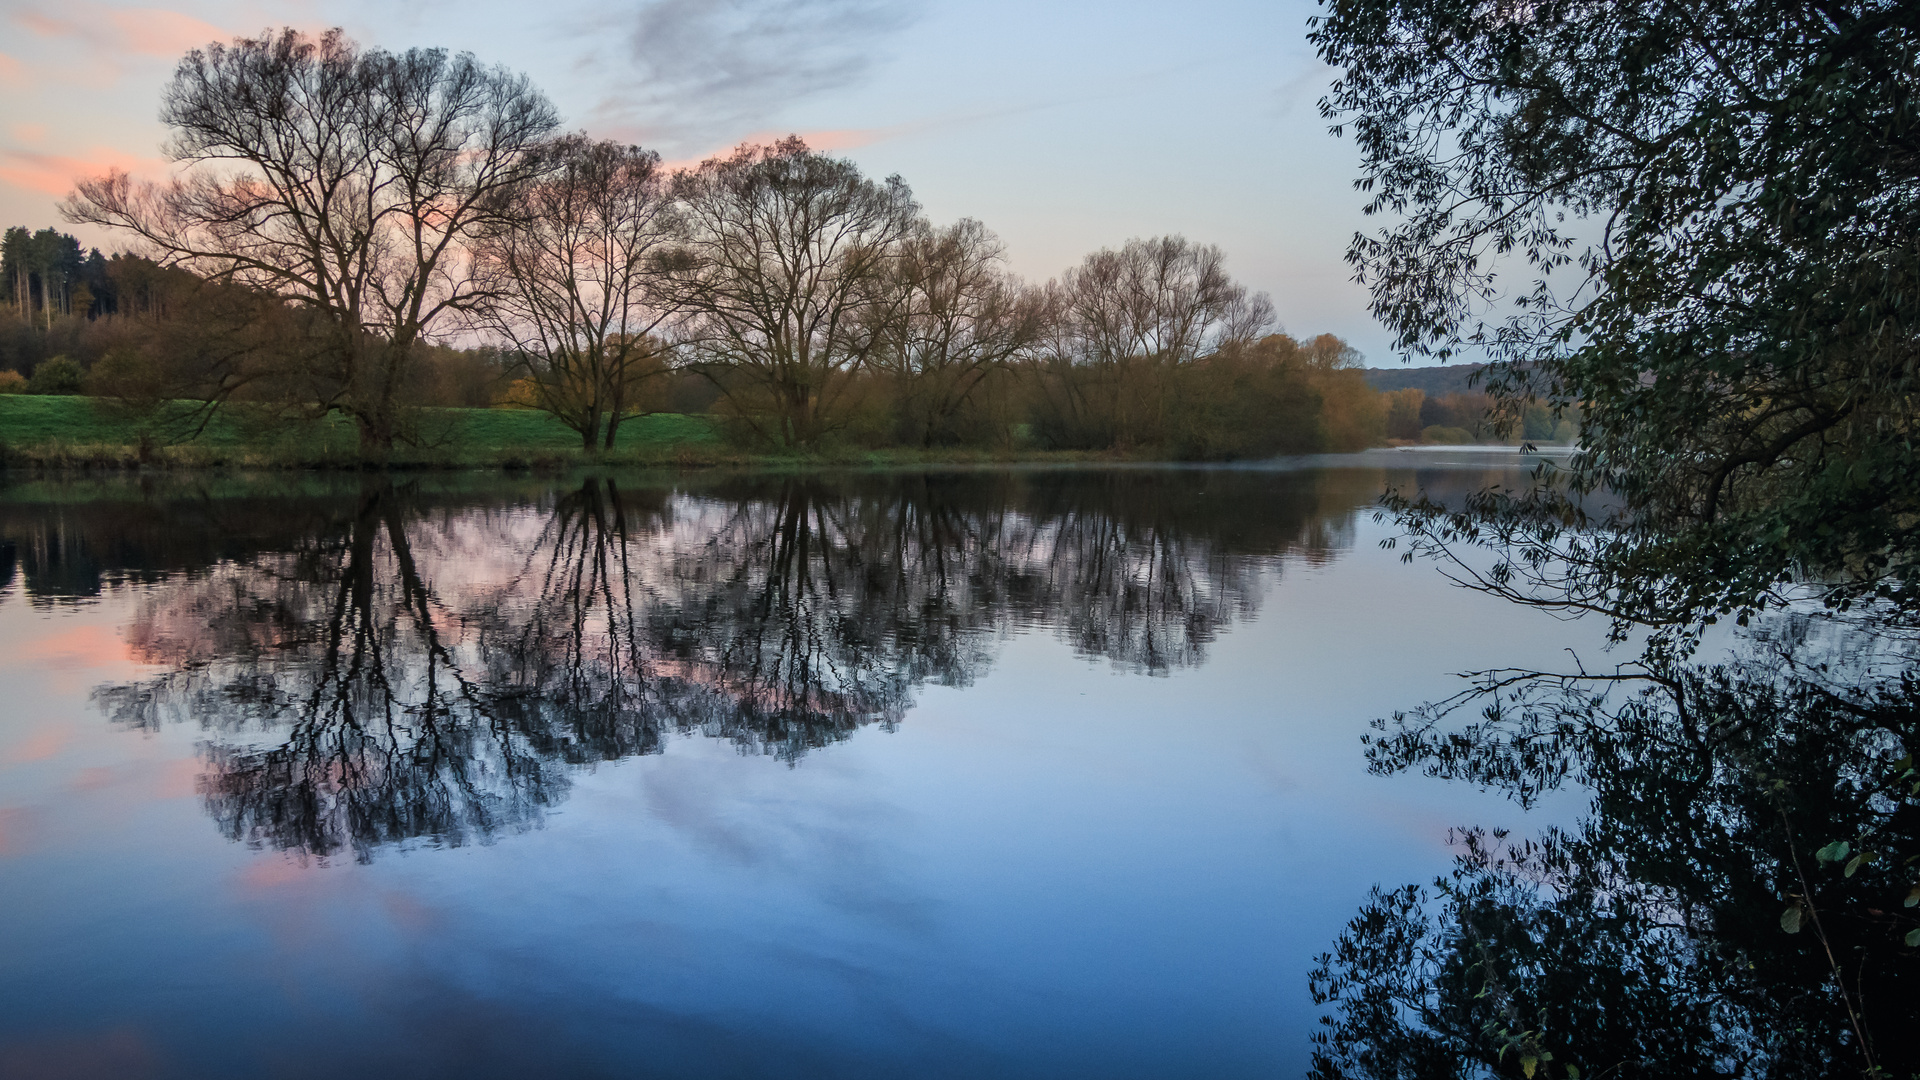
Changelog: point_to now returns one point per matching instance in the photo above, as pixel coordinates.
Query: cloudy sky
(1065, 125)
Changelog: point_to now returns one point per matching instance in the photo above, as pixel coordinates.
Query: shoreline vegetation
(76, 432)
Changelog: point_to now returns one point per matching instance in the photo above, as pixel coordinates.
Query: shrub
(1446, 436)
(12, 382)
(59, 375)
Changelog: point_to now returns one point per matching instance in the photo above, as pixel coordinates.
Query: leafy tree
(1713, 215)
(1253, 400)
(15, 268)
(40, 268)
(1403, 412)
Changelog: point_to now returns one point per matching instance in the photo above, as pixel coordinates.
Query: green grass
(81, 430)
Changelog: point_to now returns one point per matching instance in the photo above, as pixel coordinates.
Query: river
(995, 772)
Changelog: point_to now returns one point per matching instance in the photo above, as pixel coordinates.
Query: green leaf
(1790, 919)
(1573, 1072)
(1913, 897)
(1528, 1064)
(1854, 863)
(1913, 938)
(1833, 852)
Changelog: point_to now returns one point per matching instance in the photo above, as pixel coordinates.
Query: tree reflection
(343, 709)
(1739, 900)
(394, 668)
(566, 664)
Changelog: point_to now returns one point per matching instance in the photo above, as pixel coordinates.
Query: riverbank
(81, 433)
(92, 433)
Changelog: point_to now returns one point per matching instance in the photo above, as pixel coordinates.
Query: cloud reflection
(385, 665)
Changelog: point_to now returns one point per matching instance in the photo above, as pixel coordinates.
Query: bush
(59, 375)
(1447, 436)
(12, 382)
(1244, 403)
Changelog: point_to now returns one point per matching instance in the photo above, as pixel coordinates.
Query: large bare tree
(1125, 321)
(787, 260)
(343, 179)
(954, 318)
(574, 282)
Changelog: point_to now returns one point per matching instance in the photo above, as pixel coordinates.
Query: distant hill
(1451, 379)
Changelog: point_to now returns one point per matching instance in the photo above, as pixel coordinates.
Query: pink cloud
(39, 746)
(12, 72)
(158, 32)
(826, 139)
(94, 779)
(14, 822)
(270, 872)
(138, 31)
(54, 174)
(177, 779)
(408, 912)
(83, 1055)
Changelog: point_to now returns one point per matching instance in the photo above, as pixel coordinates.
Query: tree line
(345, 212)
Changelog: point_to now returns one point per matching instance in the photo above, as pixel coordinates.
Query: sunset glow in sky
(1064, 126)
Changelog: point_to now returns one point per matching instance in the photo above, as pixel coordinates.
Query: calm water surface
(964, 774)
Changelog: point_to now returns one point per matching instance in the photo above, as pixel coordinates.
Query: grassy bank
(81, 432)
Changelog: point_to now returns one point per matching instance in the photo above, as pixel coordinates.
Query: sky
(1065, 126)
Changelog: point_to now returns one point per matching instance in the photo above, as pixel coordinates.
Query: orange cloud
(81, 647)
(54, 174)
(12, 72)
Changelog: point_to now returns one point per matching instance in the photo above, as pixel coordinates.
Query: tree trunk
(613, 415)
(590, 431)
(376, 436)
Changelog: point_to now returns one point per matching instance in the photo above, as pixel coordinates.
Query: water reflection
(392, 662)
(1739, 899)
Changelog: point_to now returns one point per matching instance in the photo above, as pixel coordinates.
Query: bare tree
(1127, 320)
(346, 180)
(573, 282)
(955, 317)
(786, 262)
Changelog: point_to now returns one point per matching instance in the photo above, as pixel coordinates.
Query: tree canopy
(1700, 224)
(347, 180)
